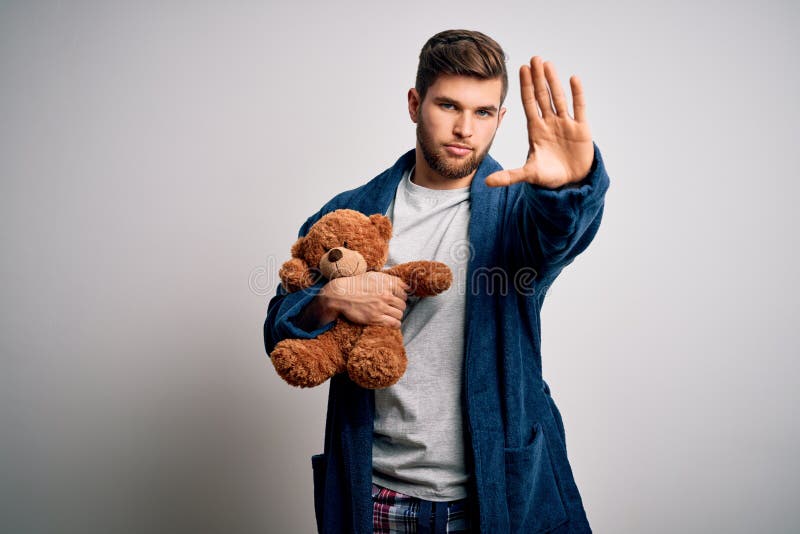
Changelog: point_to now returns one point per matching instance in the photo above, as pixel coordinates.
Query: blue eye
(484, 113)
(446, 105)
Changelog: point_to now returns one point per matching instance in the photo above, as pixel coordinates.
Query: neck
(425, 176)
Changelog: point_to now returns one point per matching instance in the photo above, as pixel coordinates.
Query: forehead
(469, 91)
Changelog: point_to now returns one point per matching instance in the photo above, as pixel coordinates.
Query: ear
(298, 248)
(383, 224)
(295, 275)
(501, 115)
(413, 104)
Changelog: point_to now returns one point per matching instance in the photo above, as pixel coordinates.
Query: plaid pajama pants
(397, 513)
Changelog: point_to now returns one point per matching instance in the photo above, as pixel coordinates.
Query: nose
(335, 255)
(463, 125)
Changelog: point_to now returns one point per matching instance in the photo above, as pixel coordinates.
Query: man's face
(456, 122)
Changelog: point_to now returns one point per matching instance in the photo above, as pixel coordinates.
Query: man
(469, 439)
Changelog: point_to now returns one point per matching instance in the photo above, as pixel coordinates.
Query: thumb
(506, 177)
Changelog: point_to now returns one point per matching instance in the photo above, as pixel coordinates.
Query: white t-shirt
(418, 446)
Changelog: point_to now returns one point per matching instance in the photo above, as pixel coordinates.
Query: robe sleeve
(553, 226)
(284, 308)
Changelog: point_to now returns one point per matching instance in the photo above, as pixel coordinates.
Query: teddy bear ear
(383, 224)
(295, 275)
(298, 248)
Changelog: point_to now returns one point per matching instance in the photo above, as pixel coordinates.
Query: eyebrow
(445, 100)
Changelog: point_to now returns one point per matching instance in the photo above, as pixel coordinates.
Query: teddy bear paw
(299, 364)
(376, 367)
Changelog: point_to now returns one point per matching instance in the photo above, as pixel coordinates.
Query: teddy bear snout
(335, 255)
(342, 261)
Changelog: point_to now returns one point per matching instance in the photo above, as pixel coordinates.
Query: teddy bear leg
(378, 359)
(308, 362)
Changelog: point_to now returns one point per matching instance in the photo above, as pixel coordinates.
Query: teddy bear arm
(426, 278)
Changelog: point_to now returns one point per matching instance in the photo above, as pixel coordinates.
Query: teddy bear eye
(344, 244)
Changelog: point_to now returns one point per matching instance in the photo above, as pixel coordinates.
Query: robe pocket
(534, 500)
(319, 464)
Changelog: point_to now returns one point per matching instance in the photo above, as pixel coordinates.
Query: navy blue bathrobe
(521, 237)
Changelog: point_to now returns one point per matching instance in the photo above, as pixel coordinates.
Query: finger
(397, 303)
(391, 322)
(540, 89)
(559, 100)
(399, 288)
(393, 312)
(507, 177)
(578, 101)
(526, 93)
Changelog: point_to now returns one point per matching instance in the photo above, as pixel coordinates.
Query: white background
(157, 160)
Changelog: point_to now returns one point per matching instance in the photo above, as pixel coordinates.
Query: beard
(437, 159)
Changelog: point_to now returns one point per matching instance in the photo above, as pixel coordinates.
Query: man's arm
(375, 298)
(284, 317)
(553, 226)
(563, 179)
(372, 298)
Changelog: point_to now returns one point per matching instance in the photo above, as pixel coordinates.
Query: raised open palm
(560, 146)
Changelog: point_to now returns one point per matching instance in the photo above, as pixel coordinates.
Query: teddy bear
(345, 242)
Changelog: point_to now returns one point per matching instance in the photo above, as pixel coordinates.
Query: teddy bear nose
(335, 255)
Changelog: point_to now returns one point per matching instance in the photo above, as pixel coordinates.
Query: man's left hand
(560, 147)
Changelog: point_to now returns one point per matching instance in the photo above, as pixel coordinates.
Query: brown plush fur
(346, 243)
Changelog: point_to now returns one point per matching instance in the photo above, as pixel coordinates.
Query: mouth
(457, 149)
(338, 272)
